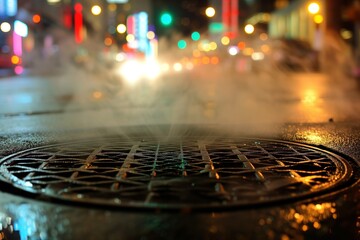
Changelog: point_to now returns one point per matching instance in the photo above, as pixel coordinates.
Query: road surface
(306, 108)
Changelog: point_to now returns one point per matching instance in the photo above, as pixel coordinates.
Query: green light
(195, 36)
(182, 44)
(216, 27)
(166, 19)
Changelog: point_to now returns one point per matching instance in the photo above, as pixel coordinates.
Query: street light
(249, 29)
(225, 40)
(318, 18)
(96, 10)
(210, 12)
(5, 27)
(150, 35)
(314, 8)
(53, 1)
(121, 28)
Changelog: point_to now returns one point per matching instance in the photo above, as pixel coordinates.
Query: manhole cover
(190, 173)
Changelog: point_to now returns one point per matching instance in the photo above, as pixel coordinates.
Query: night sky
(188, 16)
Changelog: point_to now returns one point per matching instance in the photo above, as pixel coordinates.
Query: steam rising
(247, 101)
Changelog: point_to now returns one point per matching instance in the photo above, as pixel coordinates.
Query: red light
(241, 45)
(78, 23)
(36, 18)
(226, 12)
(230, 15)
(78, 7)
(126, 48)
(230, 35)
(67, 17)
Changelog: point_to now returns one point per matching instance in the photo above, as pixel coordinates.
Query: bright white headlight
(132, 71)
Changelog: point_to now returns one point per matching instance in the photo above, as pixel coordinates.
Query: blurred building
(281, 4)
(330, 26)
(233, 15)
(296, 20)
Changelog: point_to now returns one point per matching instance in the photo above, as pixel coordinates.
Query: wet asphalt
(332, 215)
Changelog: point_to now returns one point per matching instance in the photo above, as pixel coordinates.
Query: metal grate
(175, 174)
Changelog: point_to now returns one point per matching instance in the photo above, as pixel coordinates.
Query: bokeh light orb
(249, 29)
(96, 10)
(5, 27)
(314, 8)
(121, 28)
(210, 12)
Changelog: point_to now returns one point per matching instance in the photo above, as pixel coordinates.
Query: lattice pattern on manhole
(184, 173)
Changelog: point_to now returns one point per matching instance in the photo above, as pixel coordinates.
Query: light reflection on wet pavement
(315, 220)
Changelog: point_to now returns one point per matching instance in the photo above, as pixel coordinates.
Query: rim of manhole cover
(184, 173)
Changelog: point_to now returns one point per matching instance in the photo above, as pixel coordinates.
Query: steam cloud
(219, 95)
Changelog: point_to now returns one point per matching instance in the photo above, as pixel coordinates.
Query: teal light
(195, 36)
(216, 27)
(166, 19)
(182, 44)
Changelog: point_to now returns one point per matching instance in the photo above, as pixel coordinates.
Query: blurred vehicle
(9, 61)
(136, 69)
(5, 60)
(293, 55)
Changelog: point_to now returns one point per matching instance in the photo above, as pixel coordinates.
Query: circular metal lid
(184, 173)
